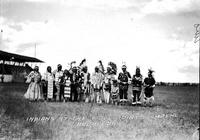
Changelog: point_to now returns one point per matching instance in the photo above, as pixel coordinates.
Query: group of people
(77, 84)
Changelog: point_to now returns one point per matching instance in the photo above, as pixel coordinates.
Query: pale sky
(146, 33)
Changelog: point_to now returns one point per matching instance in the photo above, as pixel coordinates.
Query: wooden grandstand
(15, 67)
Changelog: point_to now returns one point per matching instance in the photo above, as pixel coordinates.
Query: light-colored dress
(97, 80)
(86, 83)
(34, 92)
(49, 78)
(58, 75)
(114, 92)
(67, 87)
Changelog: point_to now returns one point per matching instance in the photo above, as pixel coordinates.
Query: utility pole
(35, 50)
(197, 34)
(1, 38)
(1, 24)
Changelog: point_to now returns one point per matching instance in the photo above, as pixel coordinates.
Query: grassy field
(174, 116)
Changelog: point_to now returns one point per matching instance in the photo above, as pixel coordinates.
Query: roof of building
(6, 56)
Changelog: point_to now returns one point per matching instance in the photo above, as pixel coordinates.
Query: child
(114, 92)
(67, 85)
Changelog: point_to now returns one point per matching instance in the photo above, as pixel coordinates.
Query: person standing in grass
(97, 83)
(47, 84)
(137, 86)
(86, 83)
(107, 85)
(58, 73)
(149, 85)
(75, 84)
(115, 92)
(66, 85)
(123, 78)
(108, 81)
(34, 91)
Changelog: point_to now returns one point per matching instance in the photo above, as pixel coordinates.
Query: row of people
(76, 84)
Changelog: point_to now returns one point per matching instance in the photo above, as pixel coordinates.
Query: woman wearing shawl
(48, 84)
(34, 91)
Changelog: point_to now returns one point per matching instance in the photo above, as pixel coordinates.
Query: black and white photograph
(99, 69)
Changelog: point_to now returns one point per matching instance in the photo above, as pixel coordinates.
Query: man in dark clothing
(123, 78)
(74, 84)
(149, 84)
(137, 86)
